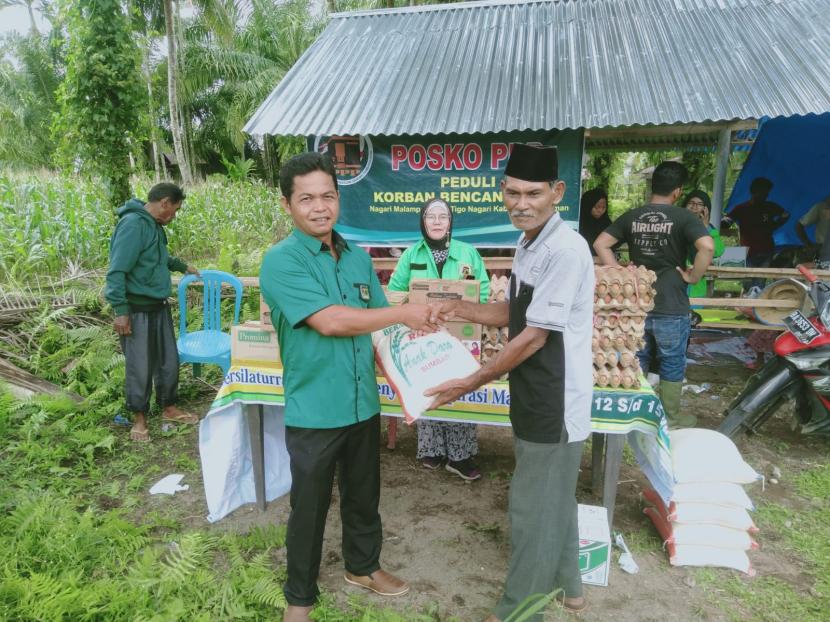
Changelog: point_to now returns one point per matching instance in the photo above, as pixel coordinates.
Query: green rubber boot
(670, 393)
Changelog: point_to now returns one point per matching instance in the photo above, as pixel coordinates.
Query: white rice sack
(711, 535)
(689, 555)
(708, 514)
(414, 364)
(717, 493)
(708, 456)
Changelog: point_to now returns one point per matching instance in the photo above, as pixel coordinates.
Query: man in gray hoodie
(137, 287)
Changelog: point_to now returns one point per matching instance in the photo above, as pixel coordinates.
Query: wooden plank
(506, 263)
(737, 303)
(254, 417)
(249, 281)
(597, 459)
(740, 326)
(614, 445)
(736, 272)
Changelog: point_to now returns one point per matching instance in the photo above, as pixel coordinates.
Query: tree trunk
(195, 171)
(32, 24)
(24, 384)
(173, 97)
(153, 138)
(270, 160)
(185, 111)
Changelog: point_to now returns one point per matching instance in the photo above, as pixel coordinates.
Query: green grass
(814, 483)
(80, 537)
(643, 540)
(801, 534)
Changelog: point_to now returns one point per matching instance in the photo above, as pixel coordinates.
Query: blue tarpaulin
(793, 152)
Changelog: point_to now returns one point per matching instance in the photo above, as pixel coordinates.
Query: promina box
(254, 344)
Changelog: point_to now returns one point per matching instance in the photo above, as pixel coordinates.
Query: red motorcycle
(800, 370)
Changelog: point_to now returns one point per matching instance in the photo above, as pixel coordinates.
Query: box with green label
(465, 332)
(594, 544)
(254, 344)
(423, 291)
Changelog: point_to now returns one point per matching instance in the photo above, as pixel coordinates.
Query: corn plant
(51, 222)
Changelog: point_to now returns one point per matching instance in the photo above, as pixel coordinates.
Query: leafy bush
(240, 169)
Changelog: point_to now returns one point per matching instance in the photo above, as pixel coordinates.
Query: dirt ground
(449, 538)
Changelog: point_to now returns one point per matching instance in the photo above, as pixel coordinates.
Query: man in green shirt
(325, 302)
(137, 287)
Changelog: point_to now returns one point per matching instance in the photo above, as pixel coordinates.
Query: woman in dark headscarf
(438, 256)
(593, 215)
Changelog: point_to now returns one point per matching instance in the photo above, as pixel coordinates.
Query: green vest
(699, 289)
(417, 263)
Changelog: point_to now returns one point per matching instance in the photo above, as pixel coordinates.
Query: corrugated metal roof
(495, 66)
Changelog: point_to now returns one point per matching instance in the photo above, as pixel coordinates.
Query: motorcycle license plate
(801, 327)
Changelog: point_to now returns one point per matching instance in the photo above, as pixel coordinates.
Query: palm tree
(30, 71)
(227, 76)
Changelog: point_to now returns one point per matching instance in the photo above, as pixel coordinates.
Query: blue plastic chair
(209, 345)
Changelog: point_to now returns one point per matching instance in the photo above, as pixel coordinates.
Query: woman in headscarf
(438, 256)
(699, 203)
(593, 215)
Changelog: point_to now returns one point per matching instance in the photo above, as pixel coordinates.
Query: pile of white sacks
(707, 521)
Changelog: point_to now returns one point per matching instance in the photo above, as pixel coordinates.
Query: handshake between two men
(432, 317)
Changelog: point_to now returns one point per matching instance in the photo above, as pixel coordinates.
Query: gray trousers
(152, 358)
(544, 535)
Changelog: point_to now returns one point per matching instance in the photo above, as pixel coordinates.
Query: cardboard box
(423, 291)
(264, 312)
(254, 344)
(465, 331)
(594, 544)
(394, 297)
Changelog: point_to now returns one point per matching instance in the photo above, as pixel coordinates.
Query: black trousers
(152, 358)
(315, 454)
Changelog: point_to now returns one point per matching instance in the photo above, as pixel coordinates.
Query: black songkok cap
(531, 163)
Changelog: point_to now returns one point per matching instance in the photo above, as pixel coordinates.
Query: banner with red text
(384, 180)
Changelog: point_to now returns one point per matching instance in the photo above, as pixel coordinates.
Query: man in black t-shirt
(758, 219)
(660, 237)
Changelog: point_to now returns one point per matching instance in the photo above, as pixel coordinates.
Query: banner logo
(352, 156)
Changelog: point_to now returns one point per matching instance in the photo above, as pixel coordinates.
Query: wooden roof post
(721, 167)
